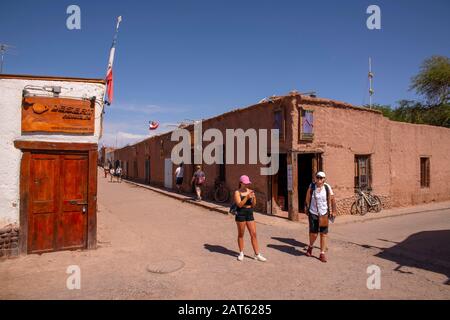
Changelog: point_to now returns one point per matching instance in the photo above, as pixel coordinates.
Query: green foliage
(415, 112)
(433, 80)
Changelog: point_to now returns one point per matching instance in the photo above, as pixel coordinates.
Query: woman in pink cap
(245, 201)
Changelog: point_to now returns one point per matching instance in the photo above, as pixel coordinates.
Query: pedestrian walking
(106, 169)
(179, 174)
(320, 207)
(245, 201)
(112, 173)
(119, 173)
(198, 180)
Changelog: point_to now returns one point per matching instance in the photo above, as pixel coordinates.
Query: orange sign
(58, 115)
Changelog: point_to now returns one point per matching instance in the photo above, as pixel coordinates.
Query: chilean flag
(109, 85)
(109, 71)
(154, 125)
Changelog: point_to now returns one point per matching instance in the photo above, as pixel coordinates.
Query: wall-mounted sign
(58, 115)
(289, 177)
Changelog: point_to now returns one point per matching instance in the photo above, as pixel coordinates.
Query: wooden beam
(92, 201)
(54, 146)
(24, 202)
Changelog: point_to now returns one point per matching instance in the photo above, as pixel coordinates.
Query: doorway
(147, 171)
(58, 202)
(279, 188)
(307, 164)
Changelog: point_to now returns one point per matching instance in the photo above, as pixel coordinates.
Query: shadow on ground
(290, 248)
(427, 250)
(220, 249)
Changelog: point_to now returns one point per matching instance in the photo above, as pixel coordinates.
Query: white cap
(320, 174)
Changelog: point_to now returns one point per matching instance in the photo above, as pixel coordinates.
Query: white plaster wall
(10, 130)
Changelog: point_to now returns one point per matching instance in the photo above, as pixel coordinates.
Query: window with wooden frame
(363, 172)
(424, 172)
(306, 125)
(278, 122)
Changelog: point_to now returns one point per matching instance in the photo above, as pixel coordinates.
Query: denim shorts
(314, 224)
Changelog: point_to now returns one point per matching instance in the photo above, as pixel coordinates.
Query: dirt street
(139, 230)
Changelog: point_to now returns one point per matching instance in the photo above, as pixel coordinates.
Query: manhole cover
(165, 266)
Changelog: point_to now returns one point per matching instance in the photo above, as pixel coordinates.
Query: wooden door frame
(29, 147)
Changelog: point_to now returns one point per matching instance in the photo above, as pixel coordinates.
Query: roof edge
(51, 78)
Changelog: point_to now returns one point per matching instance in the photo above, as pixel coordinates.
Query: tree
(433, 80)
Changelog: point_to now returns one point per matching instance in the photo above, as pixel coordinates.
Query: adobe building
(49, 132)
(404, 164)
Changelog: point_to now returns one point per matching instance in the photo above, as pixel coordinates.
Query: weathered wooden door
(57, 218)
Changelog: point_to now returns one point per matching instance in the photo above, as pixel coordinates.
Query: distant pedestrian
(198, 180)
(112, 173)
(119, 173)
(320, 207)
(106, 169)
(245, 201)
(179, 174)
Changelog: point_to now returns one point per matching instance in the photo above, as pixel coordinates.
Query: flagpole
(371, 91)
(108, 69)
(112, 53)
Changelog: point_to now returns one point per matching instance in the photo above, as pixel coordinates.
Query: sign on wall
(58, 115)
(289, 177)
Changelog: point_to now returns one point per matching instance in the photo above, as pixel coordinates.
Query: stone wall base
(344, 205)
(9, 241)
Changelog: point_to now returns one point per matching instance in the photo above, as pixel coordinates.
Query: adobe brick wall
(341, 131)
(408, 144)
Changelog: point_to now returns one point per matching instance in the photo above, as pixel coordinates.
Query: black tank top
(249, 201)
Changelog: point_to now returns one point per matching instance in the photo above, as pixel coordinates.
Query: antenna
(371, 91)
(3, 50)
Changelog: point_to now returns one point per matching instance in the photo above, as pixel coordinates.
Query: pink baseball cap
(244, 179)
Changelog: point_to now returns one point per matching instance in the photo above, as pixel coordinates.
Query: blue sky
(184, 59)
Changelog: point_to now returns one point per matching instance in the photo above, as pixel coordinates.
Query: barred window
(363, 172)
(424, 172)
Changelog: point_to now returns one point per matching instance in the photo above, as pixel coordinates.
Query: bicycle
(365, 202)
(221, 194)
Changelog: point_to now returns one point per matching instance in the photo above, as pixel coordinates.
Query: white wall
(10, 130)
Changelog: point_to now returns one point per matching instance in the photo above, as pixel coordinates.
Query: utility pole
(371, 91)
(3, 49)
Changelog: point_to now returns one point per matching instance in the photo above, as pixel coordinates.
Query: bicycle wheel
(353, 210)
(222, 194)
(361, 206)
(377, 204)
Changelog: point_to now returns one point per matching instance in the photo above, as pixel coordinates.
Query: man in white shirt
(319, 206)
(179, 174)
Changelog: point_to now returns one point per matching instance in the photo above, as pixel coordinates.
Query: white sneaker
(241, 256)
(259, 257)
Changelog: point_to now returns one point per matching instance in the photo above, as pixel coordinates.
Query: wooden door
(57, 218)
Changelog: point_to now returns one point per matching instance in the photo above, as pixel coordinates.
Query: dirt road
(140, 230)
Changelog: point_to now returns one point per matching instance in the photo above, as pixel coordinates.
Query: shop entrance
(307, 164)
(58, 202)
(279, 190)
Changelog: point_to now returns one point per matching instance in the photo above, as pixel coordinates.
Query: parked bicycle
(365, 202)
(221, 194)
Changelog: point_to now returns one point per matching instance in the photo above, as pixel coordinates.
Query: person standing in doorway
(198, 180)
(179, 174)
(245, 201)
(320, 206)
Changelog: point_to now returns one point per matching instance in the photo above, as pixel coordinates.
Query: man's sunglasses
(320, 178)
